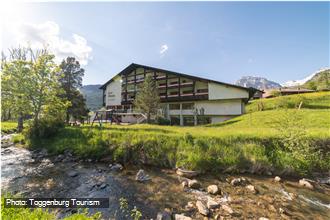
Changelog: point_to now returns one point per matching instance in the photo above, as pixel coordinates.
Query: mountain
(257, 82)
(319, 81)
(93, 96)
(293, 83)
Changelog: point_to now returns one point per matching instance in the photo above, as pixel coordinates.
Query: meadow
(254, 139)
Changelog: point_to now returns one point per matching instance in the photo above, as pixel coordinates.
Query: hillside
(320, 81)
(93, 96)
(319, 76)
(257, 82)
(317, 100)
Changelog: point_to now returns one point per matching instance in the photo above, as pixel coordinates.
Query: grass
(246, 141)
(316, 100)
(8, 127)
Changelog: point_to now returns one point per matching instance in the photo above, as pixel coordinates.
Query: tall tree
(147, 100)
(14, 73)
(71, 81)
(31, 82)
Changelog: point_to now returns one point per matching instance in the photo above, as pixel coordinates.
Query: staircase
(141, 118)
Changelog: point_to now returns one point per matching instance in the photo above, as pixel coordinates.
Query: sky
(223, 41)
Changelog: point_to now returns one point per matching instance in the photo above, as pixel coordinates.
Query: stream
(27, 174)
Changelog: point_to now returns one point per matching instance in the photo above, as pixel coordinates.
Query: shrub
(162, 121)
(44, 129)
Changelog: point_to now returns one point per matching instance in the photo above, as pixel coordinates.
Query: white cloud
(48, 35)
(163, 49)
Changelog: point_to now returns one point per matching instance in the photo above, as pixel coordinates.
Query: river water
(23, 174)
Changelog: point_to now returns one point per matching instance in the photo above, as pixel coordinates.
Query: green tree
(147, 100)
(71, 82)
(31, 83)
(14, 73)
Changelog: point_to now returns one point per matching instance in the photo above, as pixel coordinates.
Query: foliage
(31, 82)
(71, 81)
(292, 139)
(14, 74)
(46, 128)
(147, 99)
(135, 214)
(162, 121)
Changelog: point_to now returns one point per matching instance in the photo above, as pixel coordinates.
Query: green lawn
(8, 126)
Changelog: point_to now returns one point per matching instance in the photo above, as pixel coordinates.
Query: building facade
(185, 99)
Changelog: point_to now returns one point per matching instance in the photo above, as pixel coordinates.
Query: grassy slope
(318, 100)
(243, 141)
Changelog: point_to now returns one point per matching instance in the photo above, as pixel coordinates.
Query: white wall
(221, 107)
(113, 92)
(218, 91)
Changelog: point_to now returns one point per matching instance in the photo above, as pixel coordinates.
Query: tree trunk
(67, 117)
(20, 123)
(148, 117)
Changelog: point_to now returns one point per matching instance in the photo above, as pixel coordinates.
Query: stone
(263, 218)
(181, 217)
(213, 189)
(60, 157)
(212, 204)
(165, 215)
(73, 173)
(227, 209)
(184, 184)
(103, 185)
(305, 183)
(238, 181)
(251, 188)
(194, 184)
(186, 173)
(141, 176)
(269, 173)
(116, 167)
(202, 209)
(190, 206)
(277, 179)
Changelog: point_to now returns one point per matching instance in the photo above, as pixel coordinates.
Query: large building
(185, 99)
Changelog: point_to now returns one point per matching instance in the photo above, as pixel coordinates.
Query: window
(174, 106)
(188, 120)
(187, 106)
(202, 120)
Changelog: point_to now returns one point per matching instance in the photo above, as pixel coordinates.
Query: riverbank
(36, 174)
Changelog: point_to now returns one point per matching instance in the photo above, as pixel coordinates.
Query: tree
(147, 99)
(31, 84)
(14, 73)
(78, 109)
(71, 82)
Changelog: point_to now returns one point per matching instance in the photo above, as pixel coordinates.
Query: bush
(162, 121)
(44, 129)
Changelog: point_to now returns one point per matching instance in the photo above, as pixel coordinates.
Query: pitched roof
(133, 66)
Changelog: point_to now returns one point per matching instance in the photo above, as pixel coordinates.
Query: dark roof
(133, 66)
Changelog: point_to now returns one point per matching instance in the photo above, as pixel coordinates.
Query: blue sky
(219, 40)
